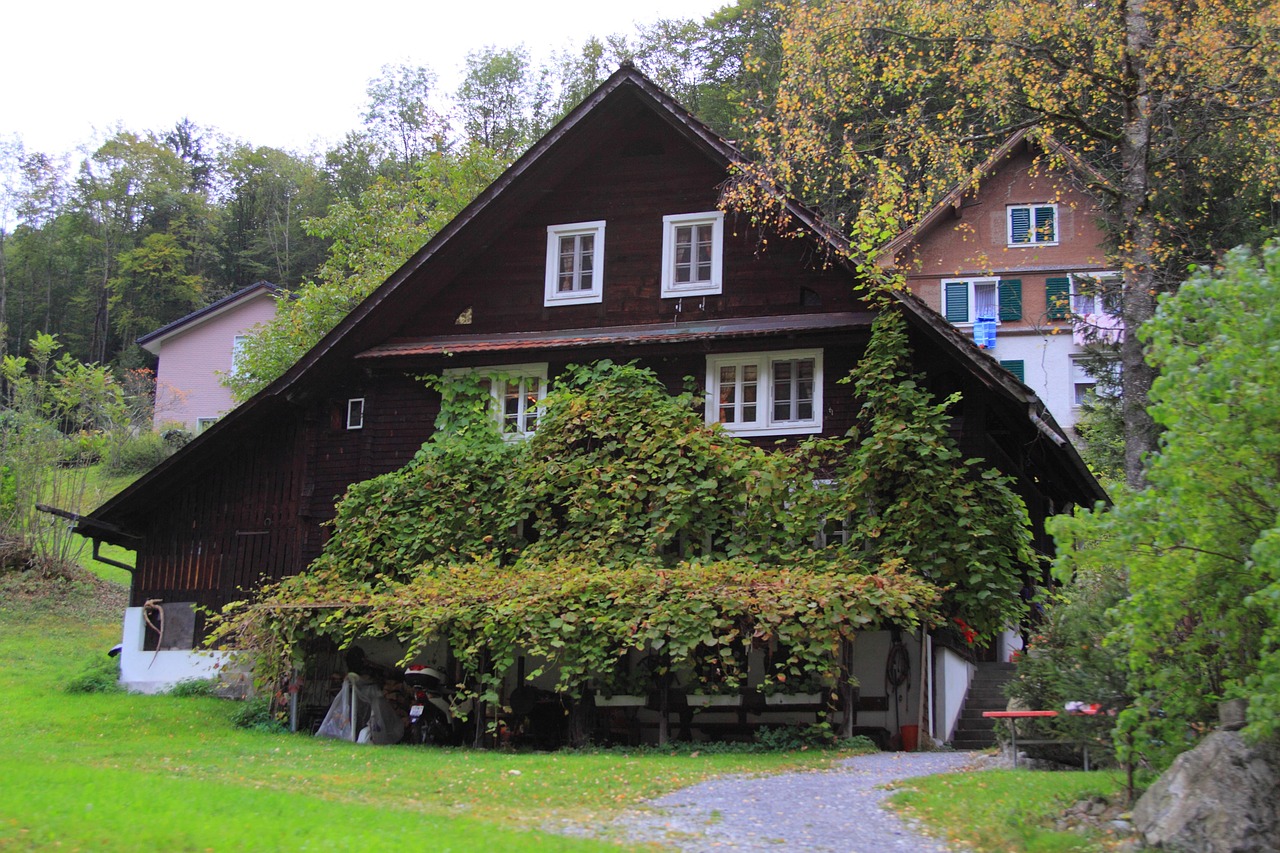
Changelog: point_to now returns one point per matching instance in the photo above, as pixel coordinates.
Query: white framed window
(1032, 224)
(970, 300)
(355, 413)
(1085, 381)
(1096, 293)
(575, 263)
(237, 352)
(766, 393)
(517, 389)
(203, 424)
(692, 254)
(835, 529)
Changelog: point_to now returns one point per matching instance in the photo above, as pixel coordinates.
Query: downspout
(926, 687)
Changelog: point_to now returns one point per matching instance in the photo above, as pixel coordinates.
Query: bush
(101, 674)
(175, 438)
(135, 454)
(83, 448)
(194, 687)
(257, 714)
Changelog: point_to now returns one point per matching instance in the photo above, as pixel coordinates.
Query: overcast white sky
(272, 72)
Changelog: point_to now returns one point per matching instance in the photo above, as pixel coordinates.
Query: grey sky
(271, 72)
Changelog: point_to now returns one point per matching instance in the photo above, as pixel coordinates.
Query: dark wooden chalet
(603, 241)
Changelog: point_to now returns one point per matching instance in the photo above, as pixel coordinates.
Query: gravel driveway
(837, 810)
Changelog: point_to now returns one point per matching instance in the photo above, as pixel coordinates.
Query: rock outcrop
(1221, 797)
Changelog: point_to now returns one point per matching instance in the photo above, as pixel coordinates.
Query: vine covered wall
(625, 523)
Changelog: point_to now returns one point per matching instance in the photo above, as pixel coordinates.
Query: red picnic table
(1014, 716)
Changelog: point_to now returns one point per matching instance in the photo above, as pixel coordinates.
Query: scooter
(432, 717)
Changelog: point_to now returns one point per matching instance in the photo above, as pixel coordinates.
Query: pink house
(1017, 259)
(197, 350)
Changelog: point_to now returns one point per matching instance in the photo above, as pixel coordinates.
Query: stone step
(958, 743)
(986, 694)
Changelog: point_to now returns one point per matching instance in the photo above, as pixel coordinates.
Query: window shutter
(1019, 225)
(1010, 299)
(1046, 227)
(1017, 368)
(956, 302)
(1057, 298)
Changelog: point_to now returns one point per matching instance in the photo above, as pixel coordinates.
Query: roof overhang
(152, 342)
(660, 333)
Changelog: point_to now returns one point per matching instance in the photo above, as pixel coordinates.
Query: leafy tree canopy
(1199, 542)
(1170, 108)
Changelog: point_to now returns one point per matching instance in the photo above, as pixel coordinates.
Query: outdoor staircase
(986, 693)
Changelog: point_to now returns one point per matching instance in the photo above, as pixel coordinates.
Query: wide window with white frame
(766, 393)
(1096, 293)
(1032, 224)
(517, 389)
(692, 254)
(575, 263)
(971, 300)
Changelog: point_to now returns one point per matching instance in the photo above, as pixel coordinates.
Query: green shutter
(1017, 368)
(1010, 299)
(1057, 298)
(1019, 225)
(955, 303)
(1046, 225)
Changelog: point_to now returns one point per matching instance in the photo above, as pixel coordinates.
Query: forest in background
(147, 225)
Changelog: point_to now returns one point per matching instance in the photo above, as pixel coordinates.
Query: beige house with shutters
(1017, 259)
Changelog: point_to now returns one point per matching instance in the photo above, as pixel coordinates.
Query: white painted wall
(155, 672)
(952, 676)
(1047, 362)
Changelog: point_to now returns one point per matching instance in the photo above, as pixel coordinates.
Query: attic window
(575, 263)
(355, 413)
(1033, 224)
(692, 254)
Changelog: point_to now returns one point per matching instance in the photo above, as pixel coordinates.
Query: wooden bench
(1014, 716)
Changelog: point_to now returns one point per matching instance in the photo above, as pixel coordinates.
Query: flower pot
(793, 699)
(713, 700)
(619, 700)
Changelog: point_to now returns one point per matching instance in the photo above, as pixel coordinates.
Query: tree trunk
(1137, 236)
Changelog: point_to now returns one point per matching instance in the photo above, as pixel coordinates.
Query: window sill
(773, 429)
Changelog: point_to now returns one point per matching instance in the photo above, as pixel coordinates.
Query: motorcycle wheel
(436, 730)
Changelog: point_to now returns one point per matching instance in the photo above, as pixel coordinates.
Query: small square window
(575, 263)
(355, 413)
(203, 424)
(1085, 376)
(1033, 224)
(692, 254)
(776, 393)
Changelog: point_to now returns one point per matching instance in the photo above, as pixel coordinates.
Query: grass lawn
(115, 771)
(996, 811)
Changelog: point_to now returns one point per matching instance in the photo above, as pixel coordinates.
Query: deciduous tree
(1199, 540)
(883, 105)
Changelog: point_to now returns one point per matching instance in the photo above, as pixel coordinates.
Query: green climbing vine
(626, 524)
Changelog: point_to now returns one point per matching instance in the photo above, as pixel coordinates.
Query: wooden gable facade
(248, 498)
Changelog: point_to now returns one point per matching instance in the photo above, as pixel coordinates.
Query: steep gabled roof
(152, 341)
(952, 201)
(372, 322)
